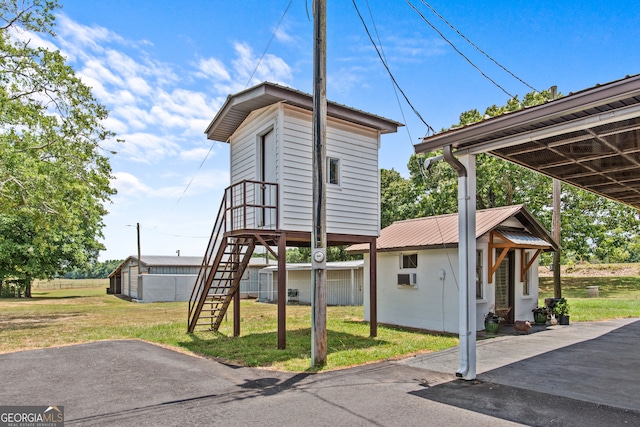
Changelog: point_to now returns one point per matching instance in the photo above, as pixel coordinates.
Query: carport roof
(590, 139)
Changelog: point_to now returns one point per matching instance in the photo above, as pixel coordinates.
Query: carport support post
(466, 169)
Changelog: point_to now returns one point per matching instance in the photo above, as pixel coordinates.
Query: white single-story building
(345, 280)
(417, 265)
(171, 278)
(161, 278)
(250, 282)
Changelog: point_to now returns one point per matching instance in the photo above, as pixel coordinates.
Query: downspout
(466, 259)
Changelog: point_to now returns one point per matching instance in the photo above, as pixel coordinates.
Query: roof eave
(238, 106)
(579, 101)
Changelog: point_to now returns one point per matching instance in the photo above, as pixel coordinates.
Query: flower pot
(540, 318)
(563, 320)
(491, 326)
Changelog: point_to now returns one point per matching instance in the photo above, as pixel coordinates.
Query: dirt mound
(593, 270)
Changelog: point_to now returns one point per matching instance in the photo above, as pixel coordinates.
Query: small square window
(333, 171)
(409, 261)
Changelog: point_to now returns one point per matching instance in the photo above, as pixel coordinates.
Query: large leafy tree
(593, 227)
(54, 177)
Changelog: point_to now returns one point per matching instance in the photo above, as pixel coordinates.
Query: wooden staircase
(219, 277)
(248, 213)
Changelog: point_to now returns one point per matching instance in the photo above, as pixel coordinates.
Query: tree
(54, 179)
(594, 228)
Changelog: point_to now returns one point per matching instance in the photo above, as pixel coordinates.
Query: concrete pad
(596, 362)
(539, 379)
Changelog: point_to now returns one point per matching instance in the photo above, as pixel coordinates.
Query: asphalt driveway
(586, 374)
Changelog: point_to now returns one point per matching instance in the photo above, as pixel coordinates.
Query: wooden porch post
(373, 289)
(282, 291)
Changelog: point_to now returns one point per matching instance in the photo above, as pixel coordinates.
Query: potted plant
(540, 315)
(561, 309)
(492, 323)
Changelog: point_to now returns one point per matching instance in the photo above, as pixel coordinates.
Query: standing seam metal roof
(434, 231)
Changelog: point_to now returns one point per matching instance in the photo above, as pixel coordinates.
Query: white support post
(467, 258)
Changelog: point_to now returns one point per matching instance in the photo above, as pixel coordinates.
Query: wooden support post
(319, 219)
(373, 289)
(236, 313)
(282, 291)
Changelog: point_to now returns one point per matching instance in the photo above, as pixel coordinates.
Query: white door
(267, 167)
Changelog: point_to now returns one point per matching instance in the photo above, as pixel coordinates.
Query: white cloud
(129, 185)
(145, 147)
(195, 154)
(212, 68)
(271, 68)
(154, 110)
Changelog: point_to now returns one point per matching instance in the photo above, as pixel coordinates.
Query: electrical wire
(395, 90)
(477, 48)
(386, 66)
(268, 44)
(184, 192)
(458, 50)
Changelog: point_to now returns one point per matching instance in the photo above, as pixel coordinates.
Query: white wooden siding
(244, 150)
(352, 207)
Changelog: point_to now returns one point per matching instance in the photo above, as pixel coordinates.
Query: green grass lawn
(619, 297)
(55, 317)
(70, 316)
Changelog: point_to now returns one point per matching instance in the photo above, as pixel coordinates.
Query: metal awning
(590, 139)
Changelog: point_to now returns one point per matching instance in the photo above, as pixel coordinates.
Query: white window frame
(402, 267)
(338, 178)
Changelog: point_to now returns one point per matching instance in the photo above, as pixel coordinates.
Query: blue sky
(163, 68)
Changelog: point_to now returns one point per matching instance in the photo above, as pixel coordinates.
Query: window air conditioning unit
(407, 279)
(292, 294)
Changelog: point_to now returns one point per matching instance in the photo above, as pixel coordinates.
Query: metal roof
(334, 265)
(237, 107)
(163, 260)
(590, 139)
(526, 239)
(436, 231)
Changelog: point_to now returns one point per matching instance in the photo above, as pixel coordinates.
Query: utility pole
(319, 229)
(139, 260)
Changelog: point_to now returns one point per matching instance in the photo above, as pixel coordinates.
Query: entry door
(267, 168)
(504, 278)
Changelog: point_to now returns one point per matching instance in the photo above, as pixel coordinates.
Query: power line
(384, 63)
(395, 91)
(477, 48)
(268, 44)
(457, 50)
(247, 85)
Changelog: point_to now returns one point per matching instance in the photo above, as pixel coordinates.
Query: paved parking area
(584, 374)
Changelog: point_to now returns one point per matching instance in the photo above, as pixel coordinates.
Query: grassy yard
(619, 297)
(55, 317)
(68, 316)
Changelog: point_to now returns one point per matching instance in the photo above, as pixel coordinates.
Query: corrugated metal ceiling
(590, 139)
